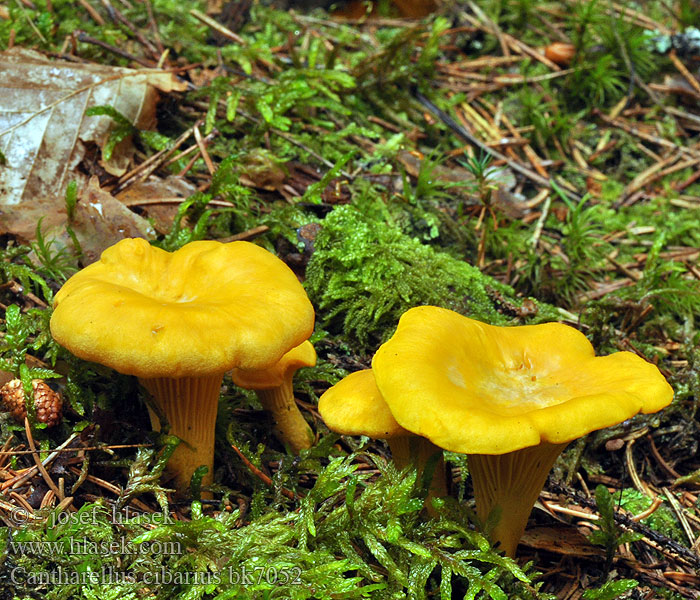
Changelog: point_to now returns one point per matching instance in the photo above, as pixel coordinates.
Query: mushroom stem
(510, 483)
(189, 404)
(290, 427)
(416, 450)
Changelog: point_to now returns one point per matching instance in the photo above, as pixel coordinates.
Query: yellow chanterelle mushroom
(511, 398)
(179, 321)
(354, 406)
(275, 392)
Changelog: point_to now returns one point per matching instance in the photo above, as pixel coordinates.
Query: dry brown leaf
(159, 199)
(100, 220)
(262, 170)
(679, 85)
(43, 128)
(214, 7)
(561, 540)
(203, 77)
(502, 180)
(5, 376)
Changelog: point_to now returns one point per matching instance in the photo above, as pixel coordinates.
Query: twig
(664, 543)
(118, 17)
(15, 482)
(31, 23)
(641, 19)
(679, 515)
(634, 275)
(684, 71)
(97, 17)
(246, 235)
(218, 27)
(5, 447)
(264, 478)
(690, 181)
(20, 499)
(16, 288)
(182, 154)
(112, 488)
(203, 149)
(657, 502)
(147, 167)
(534, 240)
(47, 500)
(564, 510)
(173, 200)
(190, 163)
(527, 148)
(81, 36)
(631, 129)
(81, 448)
(495, 29)
(37, 459)
(154, 28)
(12, 509)
(461, 132)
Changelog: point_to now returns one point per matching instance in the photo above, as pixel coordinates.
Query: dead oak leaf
(43, 128)
(100, 221)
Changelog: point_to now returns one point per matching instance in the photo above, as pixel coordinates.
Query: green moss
(349, 538)
(679, 225)
(661, 520)
(365, 273)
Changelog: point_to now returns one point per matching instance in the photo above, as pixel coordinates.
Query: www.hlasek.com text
(83, 546)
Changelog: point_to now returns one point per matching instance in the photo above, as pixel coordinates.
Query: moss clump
(364, 274)
(661, 520)
(352, 536)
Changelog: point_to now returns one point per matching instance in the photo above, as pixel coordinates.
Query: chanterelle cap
(275, 375)
(200, 310)
(475, 388)
(354, 406)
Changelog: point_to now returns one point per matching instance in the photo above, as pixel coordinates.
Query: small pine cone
(13, 399)
(48, 403)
